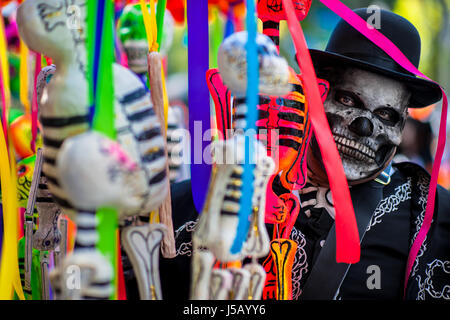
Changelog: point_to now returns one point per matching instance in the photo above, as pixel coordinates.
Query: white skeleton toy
(217, 226)
(85, 170)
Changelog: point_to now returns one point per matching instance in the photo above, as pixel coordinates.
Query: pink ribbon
(4, 108)
(34, 105)
(386, 45)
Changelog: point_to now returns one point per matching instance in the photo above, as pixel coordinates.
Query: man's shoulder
(421, 179)
(183, 207)
(412, 170)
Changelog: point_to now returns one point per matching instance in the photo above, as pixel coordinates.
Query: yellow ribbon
(23, 76)
(151, 30)
(150, 24)
(9, 267)
(5, 64)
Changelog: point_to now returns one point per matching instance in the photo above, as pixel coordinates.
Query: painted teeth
(354, 149)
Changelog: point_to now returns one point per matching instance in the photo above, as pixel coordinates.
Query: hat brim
(423, 92)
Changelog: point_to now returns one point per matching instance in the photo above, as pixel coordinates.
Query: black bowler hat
(347, 46)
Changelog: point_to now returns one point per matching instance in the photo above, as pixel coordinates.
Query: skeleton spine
(144, 125)
(272, 30)
(239, 122)
(174, 158)
(87, 236)
(233, 193)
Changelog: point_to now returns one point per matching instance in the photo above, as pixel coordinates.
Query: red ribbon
(347, 237)
(34, 105)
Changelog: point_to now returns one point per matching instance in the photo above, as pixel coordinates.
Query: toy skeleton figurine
(177, 142)
(133, 37)
(86, 170)
(217, 225)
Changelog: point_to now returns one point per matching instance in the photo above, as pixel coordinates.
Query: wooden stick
(29, 218)
(165, 210)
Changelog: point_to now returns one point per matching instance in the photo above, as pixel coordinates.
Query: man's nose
(362, 126)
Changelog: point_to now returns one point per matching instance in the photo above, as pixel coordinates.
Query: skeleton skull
(232, 62)
(366, 113)
(96, 172)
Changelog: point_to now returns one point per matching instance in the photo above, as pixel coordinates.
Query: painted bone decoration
(133, 169)
(142, 244)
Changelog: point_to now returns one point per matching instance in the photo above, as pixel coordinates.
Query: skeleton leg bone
(142, 244)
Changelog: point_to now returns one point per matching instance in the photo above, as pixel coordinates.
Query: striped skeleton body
(138, 132)
(175, 141)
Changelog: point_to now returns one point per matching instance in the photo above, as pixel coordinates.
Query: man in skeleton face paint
(367, 108)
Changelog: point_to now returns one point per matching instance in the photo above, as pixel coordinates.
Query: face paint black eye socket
(387, 115)
(347, 99)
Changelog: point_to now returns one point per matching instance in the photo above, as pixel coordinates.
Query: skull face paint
(366, 113)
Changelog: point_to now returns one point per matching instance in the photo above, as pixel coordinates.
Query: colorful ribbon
(150, 24)
(9, 267)
(4, 75)
(34, 105)
(23, 77)
(347, 237)
(153, 27)
(198, 95)
(160, 10)
(252, 102)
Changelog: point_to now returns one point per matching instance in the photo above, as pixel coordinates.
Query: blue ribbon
(97, 52)
(252, 101)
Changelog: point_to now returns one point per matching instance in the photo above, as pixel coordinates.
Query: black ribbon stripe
(64, 121)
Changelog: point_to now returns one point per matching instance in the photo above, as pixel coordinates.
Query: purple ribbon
(198, 95)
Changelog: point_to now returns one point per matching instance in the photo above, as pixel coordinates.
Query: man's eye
(387, 115)
(346, 101)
